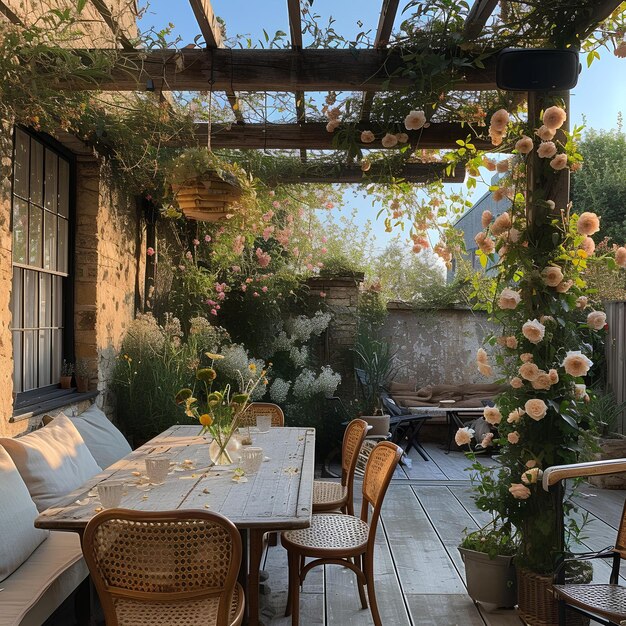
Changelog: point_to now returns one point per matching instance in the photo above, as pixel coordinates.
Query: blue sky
(598, 98)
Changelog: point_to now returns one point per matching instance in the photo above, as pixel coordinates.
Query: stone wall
(341, 296)
(436, 347)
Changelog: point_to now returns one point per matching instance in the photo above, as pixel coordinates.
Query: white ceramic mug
(157, 468)
(264, 423)
(251, 459)
(110, 493)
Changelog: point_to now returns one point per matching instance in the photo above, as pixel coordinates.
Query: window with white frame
(41, 206)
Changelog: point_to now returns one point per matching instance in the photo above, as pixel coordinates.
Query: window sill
(57, 401)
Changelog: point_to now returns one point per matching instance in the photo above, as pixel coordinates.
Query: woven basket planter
(206, 199)
(537, 604)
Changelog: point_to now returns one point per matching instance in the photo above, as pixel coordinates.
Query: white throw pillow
(105, 442)
(17, 516)
(52, 461)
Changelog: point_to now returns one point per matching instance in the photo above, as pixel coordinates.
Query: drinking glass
(264, 423)
(251, 459)
(157, 468)
(110, 493)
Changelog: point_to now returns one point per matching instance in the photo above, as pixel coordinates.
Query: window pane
(51, 191)
(56, 356)
(64, 187)
(20, 165)
(17, 361)
(45, 346)
(20, 230)
(45, 300)
(16, 298)
(30, 361)
(50, 241)
(35, 236)
(62, 254)
(57, 302)
(31, 299)
(36, 172)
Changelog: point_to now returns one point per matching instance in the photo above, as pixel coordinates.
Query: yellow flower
(582, 254)
(252, 367)
(215, 357)
(206, 419)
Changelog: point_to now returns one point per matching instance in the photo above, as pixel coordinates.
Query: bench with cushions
(40, 569)
(467, 395)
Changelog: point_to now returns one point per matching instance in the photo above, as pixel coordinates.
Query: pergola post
(543, 185)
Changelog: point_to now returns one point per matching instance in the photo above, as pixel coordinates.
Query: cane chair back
(620, 542)
(165, 568)
(262, 408)
(381, 465)
(353, 439)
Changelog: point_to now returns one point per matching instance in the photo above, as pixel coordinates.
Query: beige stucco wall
(435, 347)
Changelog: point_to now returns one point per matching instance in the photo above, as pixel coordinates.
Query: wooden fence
(616, 354)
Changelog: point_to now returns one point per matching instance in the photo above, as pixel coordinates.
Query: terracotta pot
(492, 582)
(66, 382)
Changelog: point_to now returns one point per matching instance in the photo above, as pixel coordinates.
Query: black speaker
(537, 70)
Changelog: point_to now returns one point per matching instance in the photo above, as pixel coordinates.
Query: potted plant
(206, 187)
(82, 376)
(67, 370)
(489, 569)
(604, 412)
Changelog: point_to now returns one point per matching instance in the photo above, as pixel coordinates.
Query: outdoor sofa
(39, 570)
(464, 395)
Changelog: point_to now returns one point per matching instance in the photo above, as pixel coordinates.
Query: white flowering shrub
(299, 356)
(207, 337)
(302, 328)
(279, 390)
(308, 384)
(144, 336)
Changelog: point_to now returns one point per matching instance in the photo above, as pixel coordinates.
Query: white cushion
(18, 537)
(52, 461)
(36, 589)
(105, 442)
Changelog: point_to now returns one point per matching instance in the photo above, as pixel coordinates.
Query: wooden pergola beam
(6, 10)
(383, 32)
(477, 18)
(212, 33)
(411, 172)
(209, 26)
(313, 136)
(267, 70)
(295, 23)
(112, 23)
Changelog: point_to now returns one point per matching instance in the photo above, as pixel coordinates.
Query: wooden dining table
(278, 497)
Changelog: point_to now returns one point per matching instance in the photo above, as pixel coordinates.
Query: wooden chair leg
(358, 561)
(371, 592)
(289, 607)
(562, 613)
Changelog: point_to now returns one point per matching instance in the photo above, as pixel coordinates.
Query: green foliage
(490, 540)
(376, 358)
(601, 185)
(340, 265)
(602, 412)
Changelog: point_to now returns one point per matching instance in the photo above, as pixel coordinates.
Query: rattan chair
(333, 496)
(337, 539)
(605, 604)
(262, 408)
(165, 568)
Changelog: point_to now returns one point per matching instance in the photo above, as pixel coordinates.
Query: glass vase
(231, 453)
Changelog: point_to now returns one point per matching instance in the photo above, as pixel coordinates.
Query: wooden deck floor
(419, 572)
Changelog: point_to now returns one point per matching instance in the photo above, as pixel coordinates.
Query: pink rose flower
(389, 141)
(256, 294)
(564, 286)
(524, 145)
(536, 409)
(511, 343)
(499, 120)
(487, 440)
(588, 223)
(543, 381)
(415, 120)
(552, 275)
(501, 224)
(596, 320)
(534, 331)
(486, 218)
(213, 312)
(481, 356)
(532, 475)
(508, 299)
(515, 416)
(492, 415)
(490, 164)
(503, 166)
(620, 256)
(332, 126)
(620, 50)
(485, 369)
(196, 242)
(544, 133)
(322, 294)
(188, 255)
(263, 258)
(150, 251)
(588, 245)
(554, 117)
(513, 437)
(526, 357)
(580, 391)
(581, 302)
(528, 371)
(463, 436)
(367, 136)
(559, 162)
(517, 382)
(554, 376)
(264, 289)
(546, 150)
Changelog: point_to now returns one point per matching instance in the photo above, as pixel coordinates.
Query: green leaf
(80, 5)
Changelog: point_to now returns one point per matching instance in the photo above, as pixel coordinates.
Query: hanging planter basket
(209, 198)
